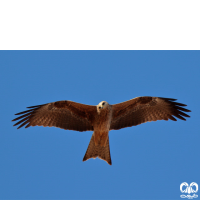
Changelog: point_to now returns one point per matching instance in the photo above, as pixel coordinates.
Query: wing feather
(63, 114)
(143, 109)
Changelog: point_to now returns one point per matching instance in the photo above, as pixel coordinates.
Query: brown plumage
(93, 151)
(70, 115)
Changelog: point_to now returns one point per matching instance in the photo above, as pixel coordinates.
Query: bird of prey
(102, 118)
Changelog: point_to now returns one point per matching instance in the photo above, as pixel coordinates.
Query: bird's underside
(100, 119)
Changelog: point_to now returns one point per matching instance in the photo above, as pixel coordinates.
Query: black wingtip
(25, 116)
(169, 99)
(37, 106)
(178, 110)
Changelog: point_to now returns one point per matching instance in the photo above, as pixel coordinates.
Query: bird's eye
(103, 103)
(99, 107)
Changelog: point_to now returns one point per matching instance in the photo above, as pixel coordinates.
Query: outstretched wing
(63, 114)
(145, 109)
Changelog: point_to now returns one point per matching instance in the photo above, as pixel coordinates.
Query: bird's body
(102, 123)
(102, 118)
(99, 143)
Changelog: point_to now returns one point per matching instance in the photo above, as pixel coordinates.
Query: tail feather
(94, 151)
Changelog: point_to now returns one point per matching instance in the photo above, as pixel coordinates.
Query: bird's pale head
(102, 105)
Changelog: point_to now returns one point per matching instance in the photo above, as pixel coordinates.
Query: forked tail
(94, 151)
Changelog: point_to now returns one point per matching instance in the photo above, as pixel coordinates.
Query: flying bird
(101, 119)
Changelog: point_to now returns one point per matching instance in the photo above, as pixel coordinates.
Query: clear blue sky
(148, 161)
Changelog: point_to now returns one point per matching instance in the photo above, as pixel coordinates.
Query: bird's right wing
(62, 114)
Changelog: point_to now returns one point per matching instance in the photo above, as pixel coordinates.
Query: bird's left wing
(143, 109)
(63, 114)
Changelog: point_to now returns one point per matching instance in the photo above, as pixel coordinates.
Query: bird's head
(102, 105)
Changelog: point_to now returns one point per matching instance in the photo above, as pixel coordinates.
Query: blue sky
(148, 161)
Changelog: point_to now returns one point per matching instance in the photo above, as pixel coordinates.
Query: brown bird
(70, 115)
